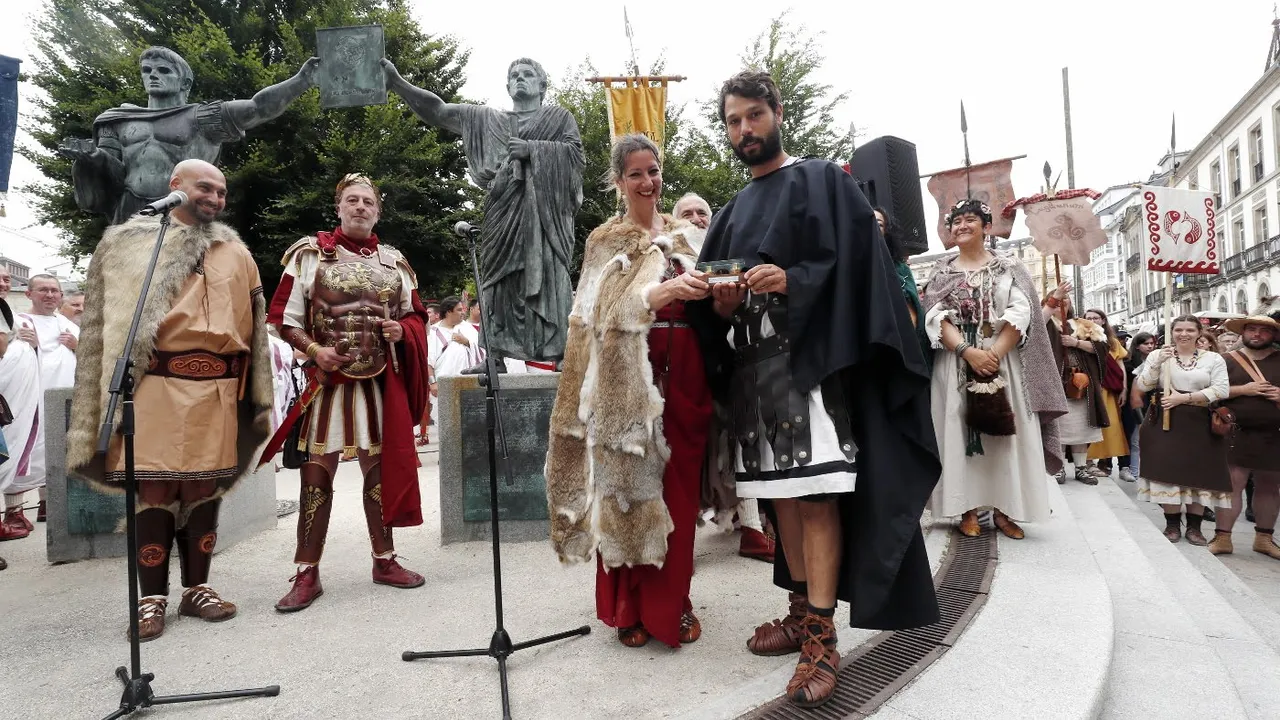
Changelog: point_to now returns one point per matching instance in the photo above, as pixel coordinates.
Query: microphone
(165, 204)
(463, 228)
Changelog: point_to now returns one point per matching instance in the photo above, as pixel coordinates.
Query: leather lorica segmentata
(347, 307)
(764, 393)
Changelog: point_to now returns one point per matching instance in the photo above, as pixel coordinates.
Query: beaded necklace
(1195, 357)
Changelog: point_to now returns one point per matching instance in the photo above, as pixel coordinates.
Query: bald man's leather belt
(196, 365)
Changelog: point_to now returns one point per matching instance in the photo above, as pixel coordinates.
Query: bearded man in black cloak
(817, 356)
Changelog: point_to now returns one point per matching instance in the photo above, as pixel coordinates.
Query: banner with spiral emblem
(1180, 231)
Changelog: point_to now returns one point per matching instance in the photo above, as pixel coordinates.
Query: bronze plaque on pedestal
(350, 74)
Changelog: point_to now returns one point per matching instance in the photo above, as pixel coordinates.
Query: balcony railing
(1131, 265)
(1192, 281)
(1155, 299)
(1233, 265)
(1255, 256)
(1273, 247)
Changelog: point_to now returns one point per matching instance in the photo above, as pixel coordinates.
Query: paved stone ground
(1260, 573)
(64, 631)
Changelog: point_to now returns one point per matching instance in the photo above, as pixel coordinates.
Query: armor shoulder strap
(390, 256)
(306, 244)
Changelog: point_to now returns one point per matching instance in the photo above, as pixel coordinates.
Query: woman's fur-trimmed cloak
(111, 289)
(606, 453)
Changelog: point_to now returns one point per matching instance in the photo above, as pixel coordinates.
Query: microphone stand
(500, 646)
(138, 694)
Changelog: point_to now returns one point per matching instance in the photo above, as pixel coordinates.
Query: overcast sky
(905, 64)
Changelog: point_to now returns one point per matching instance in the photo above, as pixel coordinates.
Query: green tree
(791, 55)
(281, 176)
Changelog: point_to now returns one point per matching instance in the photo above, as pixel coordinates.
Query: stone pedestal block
(525, 405)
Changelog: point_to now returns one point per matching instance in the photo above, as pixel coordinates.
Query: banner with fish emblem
(1181, 231)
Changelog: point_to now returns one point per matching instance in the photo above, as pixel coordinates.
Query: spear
(964, 130)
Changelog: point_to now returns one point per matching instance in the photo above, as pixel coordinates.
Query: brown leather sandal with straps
(784, 636)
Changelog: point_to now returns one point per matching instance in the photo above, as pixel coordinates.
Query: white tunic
(827, 472)
(20, 386)
(1010, 474)
(57, 361)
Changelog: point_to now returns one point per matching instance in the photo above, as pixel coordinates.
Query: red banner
(988, 182)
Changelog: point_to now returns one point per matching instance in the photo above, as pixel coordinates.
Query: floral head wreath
(351, 179)
(969, 205)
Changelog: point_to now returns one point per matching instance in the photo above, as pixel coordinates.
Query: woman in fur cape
(629, 425)
(1080, 348)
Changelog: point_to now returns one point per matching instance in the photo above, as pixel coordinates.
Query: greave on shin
(316, 504)
(196, 541)
(379, 534)
(155, 540)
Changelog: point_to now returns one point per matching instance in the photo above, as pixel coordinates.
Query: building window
(1264, 292)
(1222, 303)
(1233, 167)
(1260, 231)
(1237, 236)
(1255, 152)
(1215, 183)
(1242, 302)
(1275, 131)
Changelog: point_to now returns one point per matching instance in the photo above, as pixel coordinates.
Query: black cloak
(846, 316)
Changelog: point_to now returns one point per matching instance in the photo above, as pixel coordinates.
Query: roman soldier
(351, 304)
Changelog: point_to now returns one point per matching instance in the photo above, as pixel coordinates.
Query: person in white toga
(54, 338)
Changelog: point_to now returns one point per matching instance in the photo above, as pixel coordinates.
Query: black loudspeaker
(889, 175)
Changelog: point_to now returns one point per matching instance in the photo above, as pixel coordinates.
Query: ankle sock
(1264, 531)
(816, 628)
(1193, 522)
(1173, 521)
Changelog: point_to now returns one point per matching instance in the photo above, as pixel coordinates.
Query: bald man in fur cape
(203, 395)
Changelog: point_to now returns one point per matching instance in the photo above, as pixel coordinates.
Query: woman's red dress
(646, 595)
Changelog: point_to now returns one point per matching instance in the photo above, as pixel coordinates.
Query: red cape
(404, 399)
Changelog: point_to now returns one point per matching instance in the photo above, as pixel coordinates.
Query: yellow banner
(638, 108)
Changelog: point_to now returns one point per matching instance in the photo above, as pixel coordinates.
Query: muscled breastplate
(347, 307)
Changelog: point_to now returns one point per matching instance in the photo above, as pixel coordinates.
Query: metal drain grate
(871, 673)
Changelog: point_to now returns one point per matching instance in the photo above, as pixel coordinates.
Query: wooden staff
(1166, 372)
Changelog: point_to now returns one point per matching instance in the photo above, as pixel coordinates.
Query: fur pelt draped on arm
(606, 452)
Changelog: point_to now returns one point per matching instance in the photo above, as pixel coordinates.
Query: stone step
(1041, 647)
(1181, 650)
(1262, 613)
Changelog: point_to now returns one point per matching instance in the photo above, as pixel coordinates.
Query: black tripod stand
(500, 646)
(137, 684)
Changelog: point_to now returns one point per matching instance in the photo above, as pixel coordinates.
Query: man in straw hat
(1254, 373)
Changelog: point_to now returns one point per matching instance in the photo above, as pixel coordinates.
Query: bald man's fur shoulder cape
(112, 285)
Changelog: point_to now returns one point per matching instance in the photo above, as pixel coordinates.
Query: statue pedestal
(84, 522)
(525, 402)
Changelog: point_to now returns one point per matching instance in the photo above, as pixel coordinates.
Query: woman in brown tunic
(1186, 464)
(1254, 374)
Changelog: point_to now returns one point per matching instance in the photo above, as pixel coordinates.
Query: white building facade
(1104, 277)
(1239, 162)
